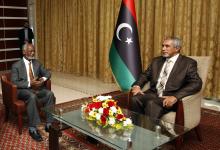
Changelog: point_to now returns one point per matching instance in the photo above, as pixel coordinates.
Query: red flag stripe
(130, 5)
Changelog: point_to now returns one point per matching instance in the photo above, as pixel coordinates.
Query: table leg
(54, 134)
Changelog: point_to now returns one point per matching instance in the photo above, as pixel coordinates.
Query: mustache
(31, 57)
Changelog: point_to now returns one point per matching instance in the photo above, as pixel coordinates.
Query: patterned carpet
(72, 140)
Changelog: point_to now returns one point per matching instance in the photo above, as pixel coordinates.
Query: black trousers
(150, 104)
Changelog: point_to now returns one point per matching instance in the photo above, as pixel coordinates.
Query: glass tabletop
(146, 133)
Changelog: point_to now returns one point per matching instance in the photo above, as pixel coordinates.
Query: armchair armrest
(48, 84)
(192, 105)
(9, 91)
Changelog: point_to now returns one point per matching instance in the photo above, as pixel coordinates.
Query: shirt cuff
(44, 78)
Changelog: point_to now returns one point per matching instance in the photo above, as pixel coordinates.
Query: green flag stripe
(120, 70)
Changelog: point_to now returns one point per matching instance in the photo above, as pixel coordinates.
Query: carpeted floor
(72, 140)
(210, 128)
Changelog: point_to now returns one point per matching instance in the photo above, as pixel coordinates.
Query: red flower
(111, 103)
(98, 105)
(86, 110)
(120, 116)
(103, 119)
(95, 105)
(105, 111)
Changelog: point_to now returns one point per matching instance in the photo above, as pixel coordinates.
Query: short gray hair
(177, 42)
(25, 45)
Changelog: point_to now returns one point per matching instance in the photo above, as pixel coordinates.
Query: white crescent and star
(124, 25)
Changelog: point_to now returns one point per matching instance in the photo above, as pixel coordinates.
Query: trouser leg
(149, 103)
(30, 99)
(137, 104)
(46, 97)
(153, 105)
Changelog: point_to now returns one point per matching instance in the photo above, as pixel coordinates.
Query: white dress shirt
(26, 62)
(172, 61)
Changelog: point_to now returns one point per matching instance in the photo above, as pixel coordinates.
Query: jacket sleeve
(192, 83)
(43, 72)
(144, 77)
(17, 78)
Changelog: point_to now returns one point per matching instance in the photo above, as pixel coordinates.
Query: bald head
(28, 51)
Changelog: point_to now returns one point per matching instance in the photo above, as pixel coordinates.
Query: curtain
(74, 36)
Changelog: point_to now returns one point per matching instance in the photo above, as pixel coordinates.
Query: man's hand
(35, 84)
(136, 89)
(169, 101)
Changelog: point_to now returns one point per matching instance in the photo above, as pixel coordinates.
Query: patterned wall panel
(13, 13)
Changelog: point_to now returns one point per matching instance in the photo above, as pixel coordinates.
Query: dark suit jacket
(19, 73)
(21, 35)
(183, 80)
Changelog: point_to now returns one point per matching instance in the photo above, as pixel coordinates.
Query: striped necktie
(31, 75)
(164, 77)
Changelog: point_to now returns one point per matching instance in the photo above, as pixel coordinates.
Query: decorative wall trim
(20, 18)
(13, 7)
(10, 28)
(8, 39)
(12, 59)
(9, 49)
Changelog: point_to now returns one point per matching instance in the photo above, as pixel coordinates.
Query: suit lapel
(23, 69)
(175, 68)
(34, 67)
(158, 68)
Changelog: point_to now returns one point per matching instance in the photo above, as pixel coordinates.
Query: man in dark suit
(172, 76)
(25, 35)
(29, 75)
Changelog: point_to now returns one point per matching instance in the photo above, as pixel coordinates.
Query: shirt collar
(174, 58)
(26, 61)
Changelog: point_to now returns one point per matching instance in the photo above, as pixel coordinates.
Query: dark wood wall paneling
(8, 44)
(11, 22)
(22, 3)
(8, 52)
(8, 33)
(13, 12)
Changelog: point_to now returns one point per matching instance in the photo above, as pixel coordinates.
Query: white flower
(103, 98)
(127, 122)
(111, 120)
(91, 113)
(94, 109)
(98, 116)
(113, 109)
(100, 110)
(83, 107)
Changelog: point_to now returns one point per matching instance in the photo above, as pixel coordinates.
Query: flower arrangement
(106, 113)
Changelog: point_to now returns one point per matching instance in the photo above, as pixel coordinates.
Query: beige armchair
(189, 108)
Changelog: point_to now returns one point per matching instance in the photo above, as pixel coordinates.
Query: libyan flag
(124, 55)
